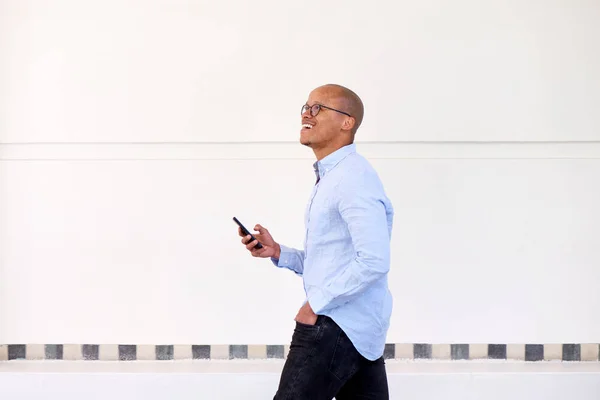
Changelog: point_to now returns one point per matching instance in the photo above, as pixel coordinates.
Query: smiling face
(329, 129)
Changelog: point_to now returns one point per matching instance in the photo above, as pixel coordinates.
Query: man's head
(330, 119)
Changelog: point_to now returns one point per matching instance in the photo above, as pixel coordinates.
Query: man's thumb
(259, 228)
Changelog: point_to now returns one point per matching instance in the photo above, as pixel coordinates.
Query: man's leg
(320, 362)
(369, 383)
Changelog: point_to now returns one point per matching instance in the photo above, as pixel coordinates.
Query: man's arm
(291, 259)
(362, 208)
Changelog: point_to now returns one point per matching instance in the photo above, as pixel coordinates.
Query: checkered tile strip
(129, 352)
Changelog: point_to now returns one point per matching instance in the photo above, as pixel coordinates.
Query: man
(337, 345)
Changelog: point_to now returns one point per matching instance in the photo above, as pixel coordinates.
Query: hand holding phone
(265, 246)
(246, 232)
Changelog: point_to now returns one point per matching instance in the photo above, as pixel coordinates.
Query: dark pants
(323, 364)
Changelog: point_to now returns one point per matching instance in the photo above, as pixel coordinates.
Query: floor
(414, 380)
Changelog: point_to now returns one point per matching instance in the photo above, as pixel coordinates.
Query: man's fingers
(257, 253)
(264, 252)
(246, 239)
(251, 244)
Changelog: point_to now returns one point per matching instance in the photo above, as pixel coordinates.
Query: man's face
(317, 131)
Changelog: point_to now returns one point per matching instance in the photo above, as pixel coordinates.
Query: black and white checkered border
(401, 351)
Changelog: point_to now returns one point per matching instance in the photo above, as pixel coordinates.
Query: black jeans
(323, 364)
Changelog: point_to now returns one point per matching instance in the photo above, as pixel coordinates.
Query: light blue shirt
(346, 256)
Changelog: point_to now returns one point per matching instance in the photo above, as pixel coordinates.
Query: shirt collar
(326, 164)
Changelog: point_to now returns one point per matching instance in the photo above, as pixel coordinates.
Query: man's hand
(306, 315)
(270, 247)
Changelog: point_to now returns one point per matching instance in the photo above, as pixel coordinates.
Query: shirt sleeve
(291, 259)
(362, 207)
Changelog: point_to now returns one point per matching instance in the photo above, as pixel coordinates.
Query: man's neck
(323, 152)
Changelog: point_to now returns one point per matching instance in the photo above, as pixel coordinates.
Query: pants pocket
(305, 325)
(304, 333)
(345, 360)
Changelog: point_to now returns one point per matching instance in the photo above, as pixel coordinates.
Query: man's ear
(349, 123)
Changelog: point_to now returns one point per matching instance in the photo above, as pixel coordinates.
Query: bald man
(340, 334)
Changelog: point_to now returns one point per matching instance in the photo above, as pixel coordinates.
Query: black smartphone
(247, 232)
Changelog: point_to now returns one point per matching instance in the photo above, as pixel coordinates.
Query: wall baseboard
(406, 351)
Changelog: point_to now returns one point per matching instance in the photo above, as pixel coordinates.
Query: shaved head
(347, 100)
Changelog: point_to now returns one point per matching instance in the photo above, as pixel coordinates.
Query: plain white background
(132, 132)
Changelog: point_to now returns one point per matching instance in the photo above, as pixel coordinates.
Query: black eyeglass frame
(318, 108)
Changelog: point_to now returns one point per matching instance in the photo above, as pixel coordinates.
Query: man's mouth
(307, 126)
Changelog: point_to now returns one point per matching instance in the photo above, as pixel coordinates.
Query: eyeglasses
(314, 109)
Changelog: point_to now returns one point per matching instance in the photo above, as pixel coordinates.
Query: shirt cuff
(285, 257)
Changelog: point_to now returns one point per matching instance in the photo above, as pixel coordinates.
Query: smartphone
(247, 232)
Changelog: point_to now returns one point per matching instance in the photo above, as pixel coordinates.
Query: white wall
(120, 120)
(432, 70)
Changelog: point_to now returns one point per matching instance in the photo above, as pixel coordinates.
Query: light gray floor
(68, 380)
